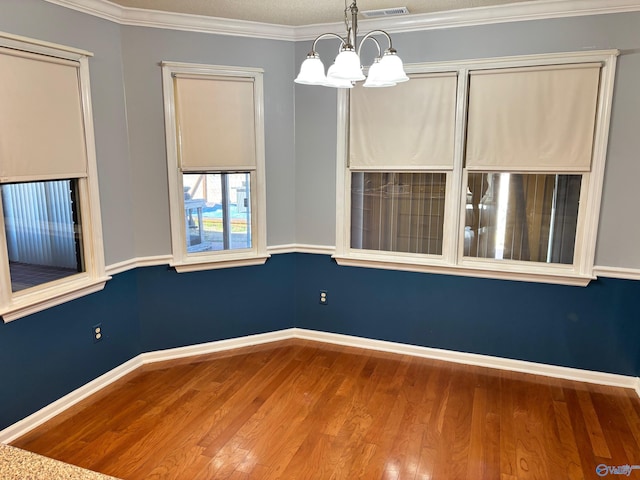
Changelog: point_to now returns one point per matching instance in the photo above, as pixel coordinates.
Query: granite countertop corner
(18, 464)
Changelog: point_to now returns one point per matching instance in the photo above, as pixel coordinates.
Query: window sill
(538, 275)
(222, 262)
(28, 303)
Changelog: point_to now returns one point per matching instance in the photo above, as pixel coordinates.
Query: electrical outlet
(97, 332)
(324, 298)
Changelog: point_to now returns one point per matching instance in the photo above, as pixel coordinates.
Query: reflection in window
(217, 211)
(43, 232)
(528, 217)
(397, 212)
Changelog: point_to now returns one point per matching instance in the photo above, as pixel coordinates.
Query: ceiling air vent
(385, 12)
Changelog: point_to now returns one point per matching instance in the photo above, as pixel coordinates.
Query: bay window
(488, 168)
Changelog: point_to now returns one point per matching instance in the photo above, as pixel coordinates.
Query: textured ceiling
(300, 12)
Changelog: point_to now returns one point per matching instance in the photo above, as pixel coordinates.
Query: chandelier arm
(325, 35)
(369, 37)
(375, 32)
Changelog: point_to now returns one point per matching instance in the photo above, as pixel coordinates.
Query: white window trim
(257, 255)
(32, 300)
(452, 262)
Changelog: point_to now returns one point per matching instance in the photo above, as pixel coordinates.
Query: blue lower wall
(49, 354)
(188, 308)
(594, 328)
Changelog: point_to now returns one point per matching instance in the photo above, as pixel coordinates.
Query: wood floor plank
(596, 435)
(532, 457)
(508, 455)
(572, 467)
(305, 410)
(618, 436)
(455, 426)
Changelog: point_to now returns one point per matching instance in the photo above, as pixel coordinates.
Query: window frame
(257, 254)
(452, 260)
(14, 305)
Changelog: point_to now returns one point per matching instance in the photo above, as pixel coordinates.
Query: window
(215, 157)
(43, 233)
(217, 211)
(397, 212)
(488, 168)
(526, 217)
(50, 240)
(399, 176)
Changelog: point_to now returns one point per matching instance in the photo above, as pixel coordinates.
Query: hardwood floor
(304, 410)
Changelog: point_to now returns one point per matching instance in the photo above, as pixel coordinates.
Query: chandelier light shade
(387, 69)
(334, 82)
(311, 71)
(392, 69)
(376, 77)
(347, 66)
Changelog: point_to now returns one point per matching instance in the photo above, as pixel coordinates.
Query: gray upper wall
(301, 135)
(619, 233)
(47, 22)
(129, 124)
(144, 49)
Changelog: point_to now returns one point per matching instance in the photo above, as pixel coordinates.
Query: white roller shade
(532, 119)
(406, 127)
(41, 122)
(216, 123)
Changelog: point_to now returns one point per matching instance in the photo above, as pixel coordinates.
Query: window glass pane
(397, 212)
(217, 211)
(42, 228)
(529, 217)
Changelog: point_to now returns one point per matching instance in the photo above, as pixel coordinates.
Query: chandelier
(386, 71)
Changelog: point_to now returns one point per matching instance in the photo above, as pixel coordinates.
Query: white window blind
(532, 119)
(39, 223)
(216, 123)
(405, 127)
(41, 121)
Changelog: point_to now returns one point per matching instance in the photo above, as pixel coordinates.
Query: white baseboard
(217, 346)
(521, 366)
(22, 427)
(27, 424)
(46, 413)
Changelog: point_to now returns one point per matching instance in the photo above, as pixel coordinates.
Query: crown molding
(517, 12)
(98, 8)
(140, 17)
(202, 24)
